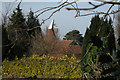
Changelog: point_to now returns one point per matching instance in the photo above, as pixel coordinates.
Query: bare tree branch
(51, 8)
(96, 12)
(109, 2)
(94, 7)
(104, 18)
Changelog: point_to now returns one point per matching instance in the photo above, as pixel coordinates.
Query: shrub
(42, 67)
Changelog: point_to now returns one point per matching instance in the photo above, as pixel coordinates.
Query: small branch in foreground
(109, 2)
(95, 6)
(96, 12)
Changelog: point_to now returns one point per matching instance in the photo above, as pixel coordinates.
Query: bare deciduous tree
(7, 9)
(44, 44)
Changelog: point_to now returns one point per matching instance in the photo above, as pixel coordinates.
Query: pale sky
(44, 0)
(64, 20)
(53, 0)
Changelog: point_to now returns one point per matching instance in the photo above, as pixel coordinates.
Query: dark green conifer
(6, 43)
(33, 22)
(17, 19)
(101, 35)
(17, 34)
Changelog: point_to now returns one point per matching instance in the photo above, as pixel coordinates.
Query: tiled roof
(65, 42)
(62, 46)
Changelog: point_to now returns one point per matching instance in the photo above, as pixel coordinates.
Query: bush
(42, 67)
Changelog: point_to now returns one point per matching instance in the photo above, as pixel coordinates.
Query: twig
(50, 8)
(109, 2)
(45, 68)
(94, 7)
(104, 18)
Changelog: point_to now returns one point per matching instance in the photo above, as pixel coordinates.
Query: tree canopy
(99, 40)
(32, 22)
(18, 35)
(75, 36)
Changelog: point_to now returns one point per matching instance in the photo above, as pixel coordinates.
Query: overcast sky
(51, 0)
(64, 20)
(42, 0)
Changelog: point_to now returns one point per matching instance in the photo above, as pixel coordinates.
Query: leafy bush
(43, 67)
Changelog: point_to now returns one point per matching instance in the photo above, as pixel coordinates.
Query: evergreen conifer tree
(5, 43)
(17, 34)
(85, 42)
(17, 19)
(90, 32)
(98, 51)
(94, 26)
(111, 37)
(33, 22)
